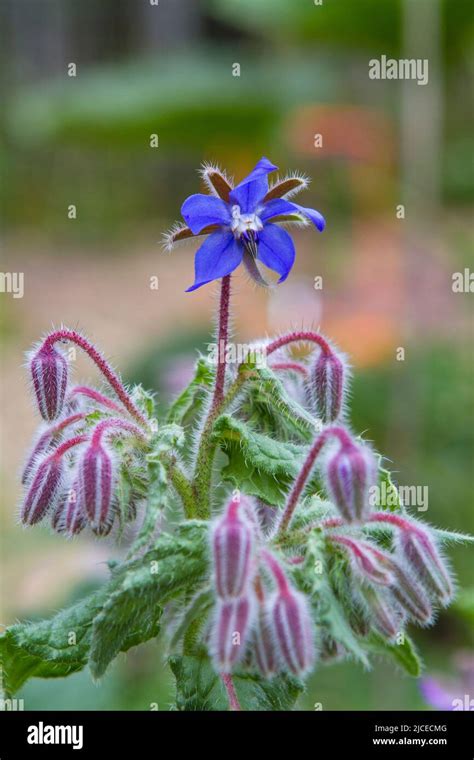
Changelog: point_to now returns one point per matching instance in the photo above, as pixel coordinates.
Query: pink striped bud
(69, 517)
(368, 561)
(47, 440)
(411, 596)
(230, 632)
(350, 474)
(290, 622)
(233, 543)
(382, 612)
(96, 480)
(327, 386)
(44, 491)
(421, 553)
(264, 647)
(43, 445)
(45, 488)
(49, 374)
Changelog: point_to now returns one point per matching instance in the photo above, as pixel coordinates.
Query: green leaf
(451, 536)
(120, 615)
(404, 654)
(126, 620)
(258, 465)
(132, 612)
(198, 687)
(192, 398)
(268, 400)
(199, 606)
(43, 649)
(388, 496)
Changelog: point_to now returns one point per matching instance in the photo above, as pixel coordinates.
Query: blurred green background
(169, 70)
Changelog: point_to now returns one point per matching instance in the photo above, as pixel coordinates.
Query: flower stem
(295, 337)
(103, 365)
(207, 449)
(222, 338)
(116, 425)
(234, 703)
(91, 393)
(183, 488)
(305, 472)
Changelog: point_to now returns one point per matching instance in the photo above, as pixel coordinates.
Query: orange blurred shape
(368, 340)
(361, 134)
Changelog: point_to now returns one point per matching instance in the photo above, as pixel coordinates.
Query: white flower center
(242, 223)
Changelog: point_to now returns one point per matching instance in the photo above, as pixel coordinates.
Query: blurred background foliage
(85, 140)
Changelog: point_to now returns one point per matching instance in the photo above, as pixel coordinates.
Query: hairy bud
(264, 649)
(233, 541)
(411, 596)
(69, 517)
(43, 445)
(381, 611)
(350, 474)
(419, 550)
(49, 374)
(230, 631)
(96, 477)
(44, 490)
(327, 386)
(290, 622)
(368, 561)
(292, 630)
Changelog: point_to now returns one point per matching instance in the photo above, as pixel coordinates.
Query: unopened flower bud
(265, 650)
(49, 374)
(368, 561)
(351, 472)
(327, 386)
(382, 612)
(230, 631)
(411, 596)
(96, 479)
(292, 630)
(233, 540)
(69, 517)
(43, 444)
(44, 490)
(290, 622)
(418, 548)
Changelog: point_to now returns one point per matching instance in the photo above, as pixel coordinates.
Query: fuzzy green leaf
(132, 612)
(122, 614)
(403, 654)
(191, 399)
(200, 688)
(258, 465)
(43, 649)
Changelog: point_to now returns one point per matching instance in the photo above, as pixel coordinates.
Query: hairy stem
(183, 488)
(300, 336)
(305, 472)
(222, 338)
(103, 365)
(234, 703)
(207, 448)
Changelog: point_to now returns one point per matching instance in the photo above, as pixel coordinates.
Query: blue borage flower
(242, 224)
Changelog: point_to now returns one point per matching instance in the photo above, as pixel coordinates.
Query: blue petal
(253, 188)
(276, 250)
(219, 255)
(275, 208)
(281, 206)
(201, 210)
(317, 218)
